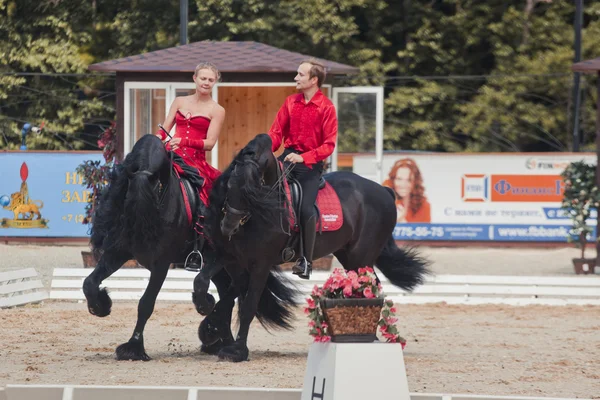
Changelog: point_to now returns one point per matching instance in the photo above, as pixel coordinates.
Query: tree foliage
(459, 75)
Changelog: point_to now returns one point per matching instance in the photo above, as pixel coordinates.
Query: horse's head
(253, 173)
(150, 158)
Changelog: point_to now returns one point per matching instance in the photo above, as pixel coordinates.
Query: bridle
(244, 214)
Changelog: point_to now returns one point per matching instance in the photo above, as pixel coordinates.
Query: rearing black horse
(247, 222)
(142, 215)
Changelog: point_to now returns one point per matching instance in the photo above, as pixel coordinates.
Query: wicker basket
(352, 320)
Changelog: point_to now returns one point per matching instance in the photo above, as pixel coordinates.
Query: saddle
(328, 206)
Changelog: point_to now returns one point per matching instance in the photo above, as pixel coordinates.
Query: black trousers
(309, 180)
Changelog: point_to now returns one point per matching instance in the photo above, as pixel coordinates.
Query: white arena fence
(129, 284)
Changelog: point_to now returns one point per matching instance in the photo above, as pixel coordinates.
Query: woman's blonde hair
(208, 65)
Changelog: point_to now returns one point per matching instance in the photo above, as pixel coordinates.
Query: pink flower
(317, 291)
(311, 324)
(391, 321)
(393, 310)
(364, 279)
(383, 329)
(306, 310)
(324, 339)
(348, 290)
(368, 293)
(403, 344)
(311, 304)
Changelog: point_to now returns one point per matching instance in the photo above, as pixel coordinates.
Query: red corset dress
(193, 130)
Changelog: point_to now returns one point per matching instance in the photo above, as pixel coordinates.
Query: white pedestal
(348, 371)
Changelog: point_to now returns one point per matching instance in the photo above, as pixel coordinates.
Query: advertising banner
(477, 197)
(41, 195)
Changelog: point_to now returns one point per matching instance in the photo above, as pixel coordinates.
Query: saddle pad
(330, 208)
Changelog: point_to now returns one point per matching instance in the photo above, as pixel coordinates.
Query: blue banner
(41, 194)
(484, 232)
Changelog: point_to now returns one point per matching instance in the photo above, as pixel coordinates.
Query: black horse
(248, 225)
(142, 215)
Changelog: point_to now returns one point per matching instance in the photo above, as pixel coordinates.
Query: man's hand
(175, 143)
(294, 158)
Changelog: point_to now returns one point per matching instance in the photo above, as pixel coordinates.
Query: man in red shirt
(307, 125)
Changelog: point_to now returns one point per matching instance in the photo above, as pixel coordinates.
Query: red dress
(193, 131)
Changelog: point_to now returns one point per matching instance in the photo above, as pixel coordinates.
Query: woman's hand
(175, 143)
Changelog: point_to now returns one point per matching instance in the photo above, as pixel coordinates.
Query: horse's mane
(107, 225)
(115, 220)
(265, 205)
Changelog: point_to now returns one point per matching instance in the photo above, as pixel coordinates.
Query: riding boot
(303, 267)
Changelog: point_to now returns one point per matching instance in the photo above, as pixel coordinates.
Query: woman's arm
(216, 123)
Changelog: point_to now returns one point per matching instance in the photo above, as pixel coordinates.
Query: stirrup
(194, 266)
(302, 268)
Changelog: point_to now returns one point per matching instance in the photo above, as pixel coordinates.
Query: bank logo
(530, 188)
(474, 187)
(545, 164)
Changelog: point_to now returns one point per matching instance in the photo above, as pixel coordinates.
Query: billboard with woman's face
(512, 197)
(411, 200)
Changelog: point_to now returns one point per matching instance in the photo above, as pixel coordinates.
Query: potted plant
(95, 176)
(580, 197)
(349, 307)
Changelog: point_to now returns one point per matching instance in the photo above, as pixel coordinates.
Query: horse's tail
(404, 268)
(277, 302)
(142, 215)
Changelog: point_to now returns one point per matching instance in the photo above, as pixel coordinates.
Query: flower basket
(352, 320)
(349, 308)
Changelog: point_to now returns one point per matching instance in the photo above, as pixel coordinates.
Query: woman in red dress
(198, 120)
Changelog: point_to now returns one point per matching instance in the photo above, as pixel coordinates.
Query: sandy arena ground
(494, 350)
(486, 350)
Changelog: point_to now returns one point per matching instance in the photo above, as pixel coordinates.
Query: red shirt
(310, 128)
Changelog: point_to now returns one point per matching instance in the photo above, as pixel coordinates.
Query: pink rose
(348, 290)
(368, 293)
(393, 310)
(311, 304)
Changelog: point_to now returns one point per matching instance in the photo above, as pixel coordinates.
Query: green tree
(38, 37)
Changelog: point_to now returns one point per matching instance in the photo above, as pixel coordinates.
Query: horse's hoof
(132, 351)
(208, 333)
(204, 304)
(102, 306)
(212, 349)
(234, 353)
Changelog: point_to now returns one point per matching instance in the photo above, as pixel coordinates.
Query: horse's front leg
(215, 330)
(134, 349)
(204, 301)
(238, 350)
(98, 301)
